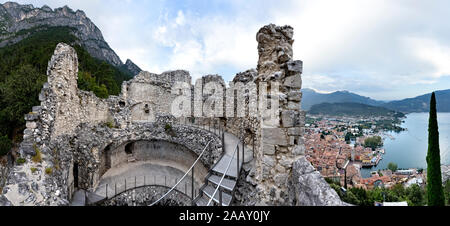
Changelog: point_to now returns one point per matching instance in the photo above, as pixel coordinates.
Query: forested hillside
(23, 72)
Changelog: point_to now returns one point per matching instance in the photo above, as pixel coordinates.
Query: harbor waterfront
(408, 149)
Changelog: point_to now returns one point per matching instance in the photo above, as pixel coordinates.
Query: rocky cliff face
(19, 21)
(132, 67)
(308, 188)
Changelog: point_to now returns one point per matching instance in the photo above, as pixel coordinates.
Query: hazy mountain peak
(414, 104)
(311, 97)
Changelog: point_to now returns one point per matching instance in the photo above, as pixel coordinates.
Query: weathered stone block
(269, 149)
(298, 150)
(280, 179)
(31, 125)
(36, 109)
(280, 169)
(293, 81)
(294, 67)
(269, 160)
(265, 172)
(42, 96)
(302, 117)
(274, 136)
(288, 118)
(282, 150)
(28, 132)
(295, 95)
(31, 117)
(27, 150)
(269, 120)
(293, 105)
(286, 162)
(296, 131)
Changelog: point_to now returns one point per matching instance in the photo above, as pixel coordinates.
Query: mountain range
(354, 109)
(18, 22)
(409, 105)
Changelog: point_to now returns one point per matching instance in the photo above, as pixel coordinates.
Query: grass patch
(33, 170)
(37, 158)
(56, 163)
(20, 161)
(48, 170)
(110, 123)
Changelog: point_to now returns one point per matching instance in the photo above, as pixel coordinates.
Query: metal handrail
(125, 188)
(182, 177)
(223, 176)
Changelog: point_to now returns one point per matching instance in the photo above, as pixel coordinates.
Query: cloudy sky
(382, 48)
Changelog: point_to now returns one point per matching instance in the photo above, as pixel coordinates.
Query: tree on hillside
(392, 166)
(5, 145)
(435, 192)
(415, 195)
(20, 93)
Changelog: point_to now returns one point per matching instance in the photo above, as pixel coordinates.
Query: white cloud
(180, 18)
(380, 48)
(432, 52)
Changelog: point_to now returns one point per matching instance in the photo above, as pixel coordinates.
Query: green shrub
(169, 130)
(20, 161)
(168, 127)
(33, 170)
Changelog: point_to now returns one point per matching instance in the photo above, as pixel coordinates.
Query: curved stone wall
(144, 196)
(157, 152)
(90, 144)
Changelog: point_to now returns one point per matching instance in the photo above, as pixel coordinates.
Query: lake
(409, 148)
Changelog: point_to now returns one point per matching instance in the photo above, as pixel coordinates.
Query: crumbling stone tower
(280, 143)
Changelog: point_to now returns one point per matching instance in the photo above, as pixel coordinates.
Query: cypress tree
(435, 192)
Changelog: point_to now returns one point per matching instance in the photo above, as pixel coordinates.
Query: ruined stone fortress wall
(75, 128)
(281, 143)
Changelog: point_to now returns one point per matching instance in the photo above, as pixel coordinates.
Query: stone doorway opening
(129, 148)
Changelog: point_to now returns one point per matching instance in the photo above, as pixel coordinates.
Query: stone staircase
(228, 185)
